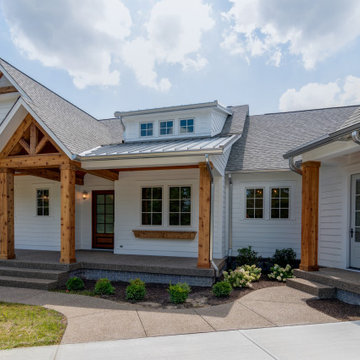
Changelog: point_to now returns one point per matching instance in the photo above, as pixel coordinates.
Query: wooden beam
(37, 161)
(7, 89)
(106, 174)
(309, 216)
(174, 167)
(204, 217)
(41, 144)
(1, 74)
(67, 214)
(7, 245)
(33, 139)
(25, 145)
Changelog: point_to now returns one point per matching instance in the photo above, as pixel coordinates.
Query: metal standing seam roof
(190, 145)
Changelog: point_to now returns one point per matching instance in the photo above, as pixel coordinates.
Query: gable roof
(267, 137)
(73, 127)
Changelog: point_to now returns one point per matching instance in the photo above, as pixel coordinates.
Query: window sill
(165, 234)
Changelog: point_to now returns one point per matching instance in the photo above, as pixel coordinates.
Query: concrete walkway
(324, 341)
(93, 319)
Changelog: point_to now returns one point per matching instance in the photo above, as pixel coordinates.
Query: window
(180, 205)
(280, 203)
(166, 127)
(254, 203)
(146, 129)
(42, 202)
(186, 126)
(151, 206)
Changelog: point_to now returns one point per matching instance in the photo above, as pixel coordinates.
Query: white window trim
(173, 127)
(194, 126)
(168, 207)
(289, 218)
(153, 129)
(162, 206)
(264, 205)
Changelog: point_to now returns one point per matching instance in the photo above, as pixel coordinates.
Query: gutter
(355, 135)
(211, 216)
(293, 166)
(230, 216)
(117, 114)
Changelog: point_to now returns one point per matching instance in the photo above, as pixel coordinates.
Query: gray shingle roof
(267, 137)
(234, 123)
(73, 127)
(193, 144)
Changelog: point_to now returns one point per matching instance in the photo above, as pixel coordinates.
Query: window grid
(166, 127)
(280, 203)
(254, 203)
(186, 126)
(151, 206)
(180, 206)
(42, 202)
(146, 129)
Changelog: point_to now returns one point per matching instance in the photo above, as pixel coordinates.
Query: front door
(355, 222)
(103, 219)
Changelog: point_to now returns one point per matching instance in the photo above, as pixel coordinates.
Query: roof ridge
(45, 87)
(308, 110)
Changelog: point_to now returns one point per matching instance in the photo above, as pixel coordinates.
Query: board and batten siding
(43, 232)
(266, 235)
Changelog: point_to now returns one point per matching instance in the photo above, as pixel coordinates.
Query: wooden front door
(103, 219)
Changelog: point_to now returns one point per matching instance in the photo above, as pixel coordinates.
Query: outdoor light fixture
(85, 195)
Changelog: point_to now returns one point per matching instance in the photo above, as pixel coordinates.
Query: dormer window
(146, 129)
(187, 126)
(166, 127)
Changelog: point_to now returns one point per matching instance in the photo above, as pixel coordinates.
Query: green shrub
(284, 256)
(75, 284)
(179, 292)
(255, 272)
(104, 287)
(135, 291)
(247, 256)
(281, 274)
(222, 289)
(238, 278)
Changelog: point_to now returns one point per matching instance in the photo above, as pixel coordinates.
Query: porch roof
(188, 146)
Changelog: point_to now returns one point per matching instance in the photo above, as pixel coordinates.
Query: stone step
(37, 265)
(32, 283)
(31, 273)
(312, 287)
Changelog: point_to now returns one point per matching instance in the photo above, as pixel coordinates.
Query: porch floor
(92, 259)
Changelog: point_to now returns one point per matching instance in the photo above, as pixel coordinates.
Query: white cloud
(81, 37)
(315, 95)
(173, 36)
(91, 38)
(311, 29)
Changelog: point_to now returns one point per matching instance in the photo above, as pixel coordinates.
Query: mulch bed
(336, 308)
(158, 297)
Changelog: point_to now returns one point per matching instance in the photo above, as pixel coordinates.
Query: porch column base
(308, 267)
(7, 257)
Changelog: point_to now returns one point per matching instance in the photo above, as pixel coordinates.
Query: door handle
(351, 232)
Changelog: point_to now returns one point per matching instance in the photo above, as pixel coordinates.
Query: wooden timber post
(67, 175)
(7, 245)
(204, 217)
(310, 216)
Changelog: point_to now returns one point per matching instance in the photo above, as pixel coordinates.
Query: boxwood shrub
(136, 290)
(222, 289)
(179, 292)
(104, 287)
(75, 284)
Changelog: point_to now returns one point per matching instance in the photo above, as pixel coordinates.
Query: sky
(118, 55)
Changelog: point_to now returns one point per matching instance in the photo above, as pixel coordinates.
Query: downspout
(117, 115)
(211, 216)
(230, 216)
(293, 166)
(356, 137)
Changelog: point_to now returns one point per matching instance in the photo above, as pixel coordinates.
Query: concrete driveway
(93, 319)
(322, 341)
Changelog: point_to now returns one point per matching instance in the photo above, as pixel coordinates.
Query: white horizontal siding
(266, 235)
(128, 213)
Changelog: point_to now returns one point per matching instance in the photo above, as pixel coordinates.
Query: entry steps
(312, 287)
(31, 275)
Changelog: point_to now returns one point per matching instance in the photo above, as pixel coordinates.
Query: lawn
(27, 325)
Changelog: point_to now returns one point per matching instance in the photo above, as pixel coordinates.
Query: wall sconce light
(85, 195)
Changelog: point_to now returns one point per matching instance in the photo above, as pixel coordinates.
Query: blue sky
(109, 55)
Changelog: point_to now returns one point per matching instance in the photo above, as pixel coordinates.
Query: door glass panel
(357, 218)
(100, 209)
(109, 209)
(357, 234)
(100, 228)
(109, 228)
(100, 199)
(357, 186)
(100, 219)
